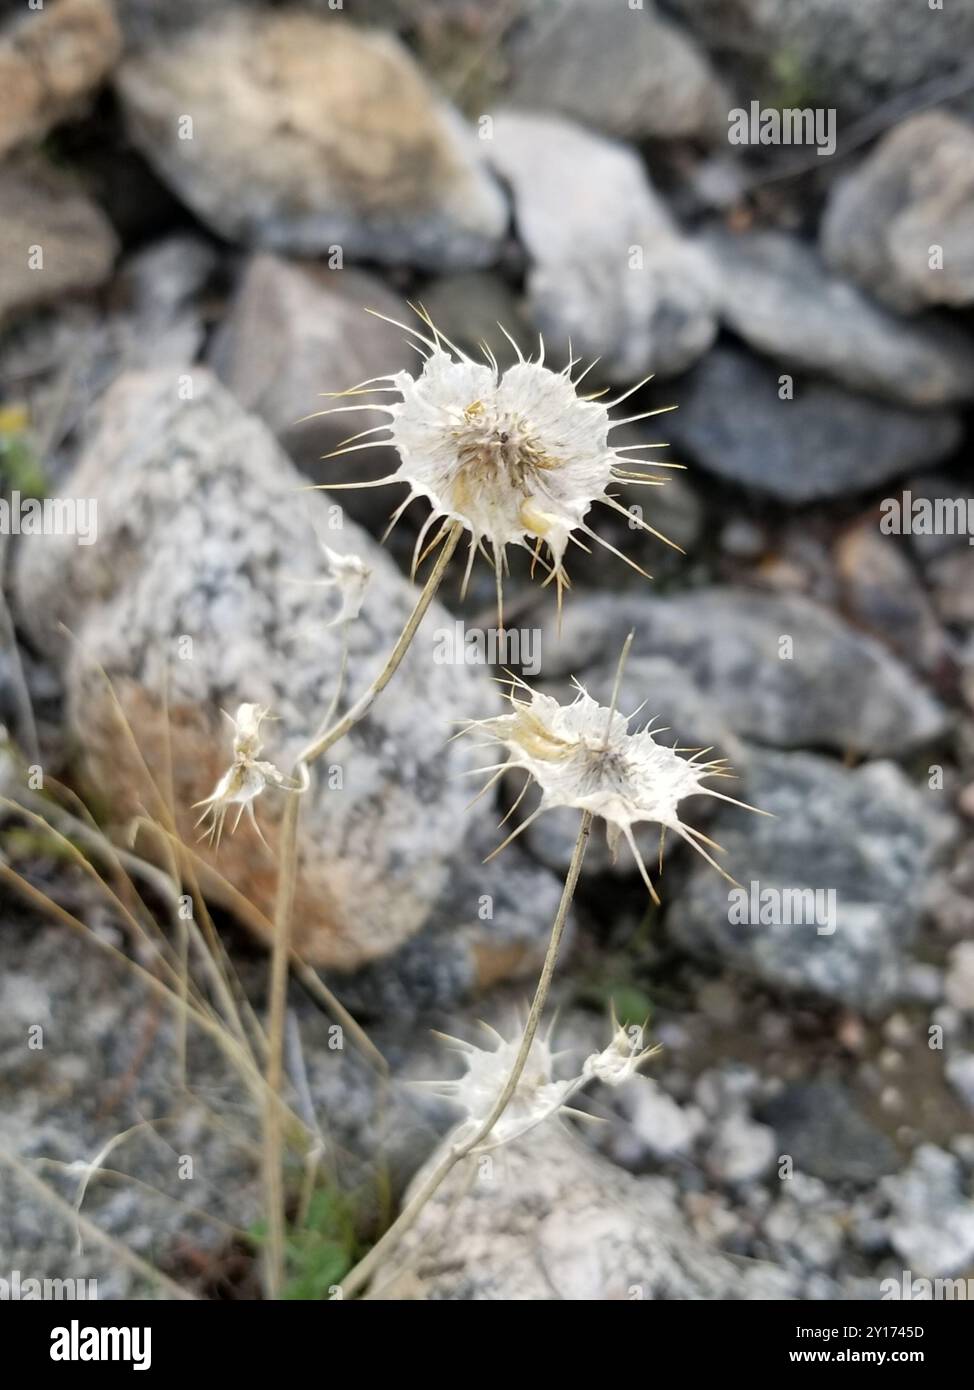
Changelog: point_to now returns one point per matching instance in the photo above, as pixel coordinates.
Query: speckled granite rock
(203, 533)
(552, 1221)
(855, 845)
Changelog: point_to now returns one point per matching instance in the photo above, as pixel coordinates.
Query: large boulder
(902, 223)
(54, 241)
(780, 669)
(295, 132)
(546, 1220)
(609, 270)
(624, 69)
(198, 594)
(51, 59)
(774, 291)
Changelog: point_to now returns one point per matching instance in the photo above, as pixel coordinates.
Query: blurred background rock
(219, 191)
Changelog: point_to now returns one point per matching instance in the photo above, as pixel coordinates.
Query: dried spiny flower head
(350, 575)
(516, 457)
(621, 1060)
(583, 755)
(246, 777)
(537, 1095)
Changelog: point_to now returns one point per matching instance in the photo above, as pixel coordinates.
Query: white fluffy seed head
(581, 755)
(516, 458)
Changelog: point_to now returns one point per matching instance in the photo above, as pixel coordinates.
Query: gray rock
(740, 1151)
(555, 1222)
(775, 293)
(162, 286)
(609, 270)
(914, 192)
(659, 1127)
(804, 1225)
(824, 442)
(110, 1063)
(622, 69)
(959, 1070)
(294, 332)
(881, 591)
(468, 308)
(867, 836)
(51, 59)
(959, 980)
(821, 1127)
(204, 533)
(831, 53)
(931, 1224)
(952, 580)
(839, 689)
(941, 493)
(53, 240)
(310, 134)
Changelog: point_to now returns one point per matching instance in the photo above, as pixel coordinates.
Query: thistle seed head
(517, 458)
(244, 779)
(582, 755)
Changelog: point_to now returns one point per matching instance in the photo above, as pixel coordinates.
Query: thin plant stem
(360, 709)
(366, 1267)
(287, 874)
(273, 1148)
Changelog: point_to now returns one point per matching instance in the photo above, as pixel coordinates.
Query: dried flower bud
(246, 777)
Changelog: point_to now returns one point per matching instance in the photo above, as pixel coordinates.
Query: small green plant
(319, 1250)
(20, 468)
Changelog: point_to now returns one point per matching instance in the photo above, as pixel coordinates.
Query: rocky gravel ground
(218, 192)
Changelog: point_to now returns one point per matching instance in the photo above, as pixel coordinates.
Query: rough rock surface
(931, 1224)
(774, 292)
(820, 1126)
(51, 59)
(53, 240)
(615, 279)
(881, 592)
(831, 53)
(914, 192)
(823, 442)
(622, 69)
(554, 1221)
(110, 1063)
(203, 533)
(309, 134)
(297, 331)
(838, 689)
(869, 836)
